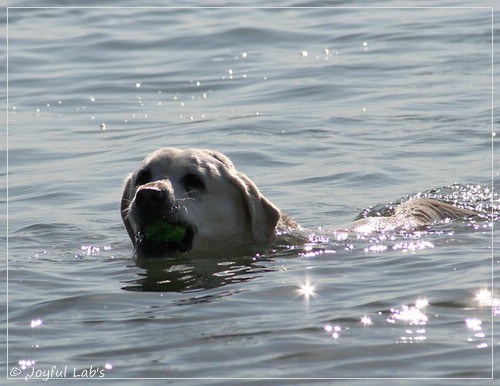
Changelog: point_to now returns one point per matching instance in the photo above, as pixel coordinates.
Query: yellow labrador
(210, 205)
(196, 201)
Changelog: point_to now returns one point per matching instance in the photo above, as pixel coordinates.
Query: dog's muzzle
(161, 232)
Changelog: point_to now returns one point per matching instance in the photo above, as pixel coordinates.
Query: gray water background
(330, 111)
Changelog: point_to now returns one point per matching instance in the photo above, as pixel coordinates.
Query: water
(331, 112)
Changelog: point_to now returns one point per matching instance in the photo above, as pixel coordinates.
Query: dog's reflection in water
(186, 274)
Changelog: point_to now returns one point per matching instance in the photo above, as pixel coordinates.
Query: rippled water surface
(333, 112)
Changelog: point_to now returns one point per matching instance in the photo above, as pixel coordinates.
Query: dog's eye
(193, 182)
(143, 177)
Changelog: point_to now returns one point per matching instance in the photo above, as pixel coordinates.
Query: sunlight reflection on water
(414, 315)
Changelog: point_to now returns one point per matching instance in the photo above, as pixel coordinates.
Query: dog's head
(194, 200)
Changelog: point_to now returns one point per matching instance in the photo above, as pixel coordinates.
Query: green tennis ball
(163, 232)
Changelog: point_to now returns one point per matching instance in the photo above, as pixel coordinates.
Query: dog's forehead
(169, 160)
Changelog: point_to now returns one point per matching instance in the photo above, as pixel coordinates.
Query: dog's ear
(264, 215)
(124, 208)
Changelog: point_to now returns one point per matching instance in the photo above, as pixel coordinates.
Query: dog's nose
(150, 195)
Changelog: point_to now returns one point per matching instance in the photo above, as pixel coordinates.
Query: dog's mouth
(163, 239)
